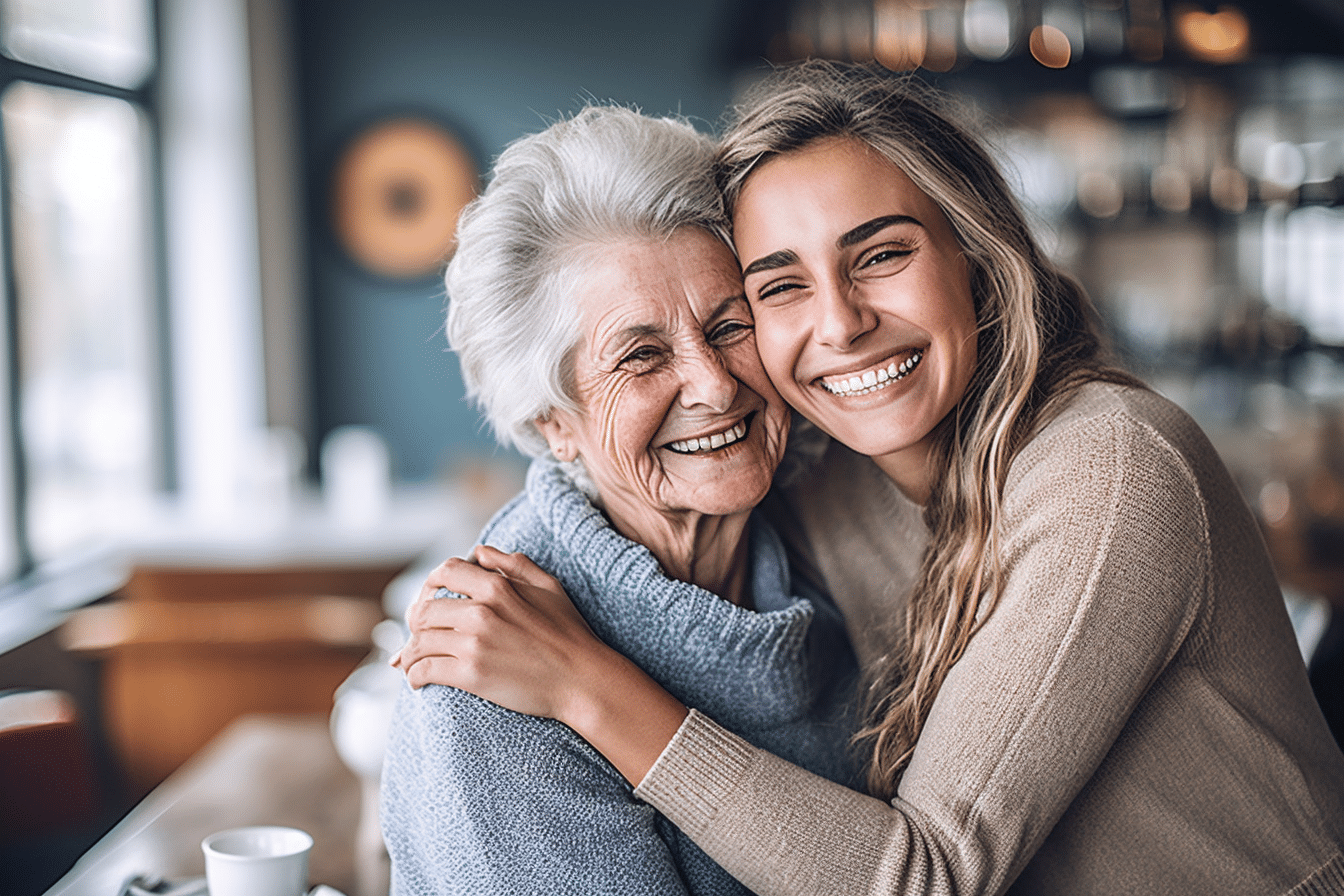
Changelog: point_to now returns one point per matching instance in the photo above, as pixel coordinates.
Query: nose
(841, 314)
(706, 382)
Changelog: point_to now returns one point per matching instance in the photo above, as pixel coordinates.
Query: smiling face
(862, 300)
(678, 415)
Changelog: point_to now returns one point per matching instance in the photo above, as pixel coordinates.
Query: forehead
(655, 283)
(842, 176)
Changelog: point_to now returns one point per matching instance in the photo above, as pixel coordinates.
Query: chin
(732, 497)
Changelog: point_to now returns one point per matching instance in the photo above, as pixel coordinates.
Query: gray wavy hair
(607, 175)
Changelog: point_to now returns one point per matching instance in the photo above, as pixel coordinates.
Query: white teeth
(709, 443)
(872, 380)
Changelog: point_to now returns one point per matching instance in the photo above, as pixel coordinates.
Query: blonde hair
(1036, 343)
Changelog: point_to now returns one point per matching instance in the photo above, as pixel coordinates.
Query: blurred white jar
(356, 477)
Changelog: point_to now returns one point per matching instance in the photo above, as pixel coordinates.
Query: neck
(709, 551)
(910, 470)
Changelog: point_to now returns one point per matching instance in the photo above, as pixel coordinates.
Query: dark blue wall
(493, 70)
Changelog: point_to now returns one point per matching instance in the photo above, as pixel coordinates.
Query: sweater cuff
(696, 772)
(1329, 878)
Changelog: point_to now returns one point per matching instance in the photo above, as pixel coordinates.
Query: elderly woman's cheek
(630, 412)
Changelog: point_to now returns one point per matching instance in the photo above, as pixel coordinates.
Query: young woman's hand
(518, 641)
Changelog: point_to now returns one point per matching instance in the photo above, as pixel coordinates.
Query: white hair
(604, 176)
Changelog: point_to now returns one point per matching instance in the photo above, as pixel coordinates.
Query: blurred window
(103, 40)
(82, 457)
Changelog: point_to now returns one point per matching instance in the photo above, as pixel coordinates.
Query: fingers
(449, 644)
(432, 585)
(431, 670)
(463, 615)
(459, 574)
(451, 658)
(469, 580)
(513, 566)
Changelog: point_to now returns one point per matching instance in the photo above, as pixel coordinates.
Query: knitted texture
(480, 800)
(1134, 717)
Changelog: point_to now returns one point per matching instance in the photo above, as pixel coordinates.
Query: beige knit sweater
(1134, 717)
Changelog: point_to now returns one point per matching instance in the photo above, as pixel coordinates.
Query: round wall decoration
(398, 190)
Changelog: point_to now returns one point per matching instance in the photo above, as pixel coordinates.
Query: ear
(558, 430)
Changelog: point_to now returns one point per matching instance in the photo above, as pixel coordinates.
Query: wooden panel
(177, 584)
(191, 649)
(163, 703)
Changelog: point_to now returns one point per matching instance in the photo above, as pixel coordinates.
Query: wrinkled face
(677, 412)
(861, 295)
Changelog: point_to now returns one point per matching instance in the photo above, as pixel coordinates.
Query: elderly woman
(601, 325)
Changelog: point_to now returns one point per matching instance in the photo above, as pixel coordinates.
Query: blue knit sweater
(483, 801)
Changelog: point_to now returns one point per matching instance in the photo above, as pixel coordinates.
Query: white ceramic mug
(257, 861)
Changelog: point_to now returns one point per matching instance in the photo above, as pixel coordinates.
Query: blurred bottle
(356, 477)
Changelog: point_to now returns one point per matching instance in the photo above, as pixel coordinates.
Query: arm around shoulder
(1104, 565)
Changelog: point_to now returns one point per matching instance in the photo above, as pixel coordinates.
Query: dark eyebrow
(868, 228)
(786, 257)
(781, 259)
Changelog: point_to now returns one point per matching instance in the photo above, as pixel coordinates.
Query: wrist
(623, 713)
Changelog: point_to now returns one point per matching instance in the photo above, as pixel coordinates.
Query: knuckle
(471, 670)
(415, 614)
(416, 675)
(480, 614)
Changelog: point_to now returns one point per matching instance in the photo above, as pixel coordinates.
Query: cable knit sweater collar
(661, 623)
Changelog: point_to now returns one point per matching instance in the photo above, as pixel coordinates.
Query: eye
(729, 331)
(643, 358)
(883, 254)
(776, 289)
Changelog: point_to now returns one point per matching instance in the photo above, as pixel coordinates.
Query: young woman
(1092, 685)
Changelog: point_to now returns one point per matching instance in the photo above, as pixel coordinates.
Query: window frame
(145, 98)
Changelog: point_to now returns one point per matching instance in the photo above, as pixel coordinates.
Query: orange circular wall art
(398, 190)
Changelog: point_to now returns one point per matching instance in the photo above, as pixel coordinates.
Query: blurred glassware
(271, 478)
(356, 476)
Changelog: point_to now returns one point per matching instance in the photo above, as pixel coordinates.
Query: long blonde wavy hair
(1037, 342)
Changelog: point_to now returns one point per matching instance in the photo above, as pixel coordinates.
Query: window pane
(103, 40)
(81, 258)
(9, 547)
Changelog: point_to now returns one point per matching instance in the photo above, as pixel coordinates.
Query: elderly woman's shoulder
(551, 516)
(518, 526)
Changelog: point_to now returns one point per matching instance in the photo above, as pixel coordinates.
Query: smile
(878, 378)
(713, 442)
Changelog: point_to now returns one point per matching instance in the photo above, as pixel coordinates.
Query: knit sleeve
(1106, 562)
(481, 801)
